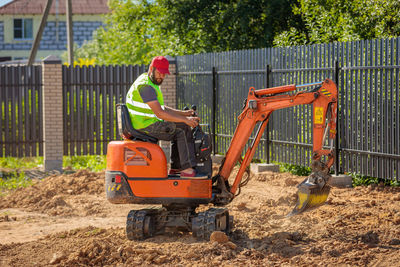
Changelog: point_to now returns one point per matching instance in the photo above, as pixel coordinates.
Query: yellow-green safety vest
(141, 114)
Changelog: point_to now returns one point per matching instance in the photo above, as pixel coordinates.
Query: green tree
(342, 20)
(220, 25)
(136, 31)
(132, 35)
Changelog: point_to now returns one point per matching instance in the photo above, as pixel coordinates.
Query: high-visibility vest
(141, 114)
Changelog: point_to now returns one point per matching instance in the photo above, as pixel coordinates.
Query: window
(23, 29)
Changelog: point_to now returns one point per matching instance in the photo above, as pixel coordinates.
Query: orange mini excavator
(137, 167)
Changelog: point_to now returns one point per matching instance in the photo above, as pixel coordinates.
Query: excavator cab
(137, 170)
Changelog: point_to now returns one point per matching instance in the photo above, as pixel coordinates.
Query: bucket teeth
(309, 196)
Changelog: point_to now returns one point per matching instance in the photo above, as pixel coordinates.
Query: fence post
(169, 84)
(52, 113)
(337, 144)
(214, 108)
(268, 72)
(170, 99)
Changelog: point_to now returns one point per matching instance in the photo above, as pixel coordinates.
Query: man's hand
(192, 121)
(188, 113)
(174, 115)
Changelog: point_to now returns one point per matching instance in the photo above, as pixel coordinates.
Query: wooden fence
(90, 96)
(21, 107)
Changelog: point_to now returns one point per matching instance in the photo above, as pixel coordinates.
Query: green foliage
(10, 180)
(14, 181)
(394, 183)
(20, 163)
(363, 180)
(214, 26)
(327, 21)
(136, 31)
(93, 163)
(16, 178)
(294, 169)
(359, 180)
(254, 160)
(133, 34)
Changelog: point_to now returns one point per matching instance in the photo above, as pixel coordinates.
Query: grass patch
(21, 163)
(12, 175)
(13, 182)
(363, 180)
(294, 169)
(93, 163)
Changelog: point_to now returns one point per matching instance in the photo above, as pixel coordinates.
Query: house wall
(83, 27)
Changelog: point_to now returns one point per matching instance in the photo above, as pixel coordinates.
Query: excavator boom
(260, 104)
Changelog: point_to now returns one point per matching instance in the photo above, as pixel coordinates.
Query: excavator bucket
(311, 193)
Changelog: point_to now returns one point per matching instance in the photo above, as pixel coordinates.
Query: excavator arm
(314, 190)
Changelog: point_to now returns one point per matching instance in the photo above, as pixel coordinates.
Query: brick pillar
(168, 89)
(52, 113)
(168, 86)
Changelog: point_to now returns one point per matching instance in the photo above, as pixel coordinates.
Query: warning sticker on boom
(318, 115)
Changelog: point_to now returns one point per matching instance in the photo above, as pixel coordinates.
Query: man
(148, 113)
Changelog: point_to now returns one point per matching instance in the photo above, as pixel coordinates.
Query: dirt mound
(98, 247)
(357, 227)
(49, 195)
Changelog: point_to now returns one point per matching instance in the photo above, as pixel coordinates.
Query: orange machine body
(137, 173)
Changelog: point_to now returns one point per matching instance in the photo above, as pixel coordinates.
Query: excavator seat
(126, 129)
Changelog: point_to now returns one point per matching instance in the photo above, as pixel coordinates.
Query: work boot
(188, 173)
(174, 172)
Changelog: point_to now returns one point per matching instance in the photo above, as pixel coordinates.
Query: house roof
(33, 7)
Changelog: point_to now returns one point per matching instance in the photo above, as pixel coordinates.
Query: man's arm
(149, 96)
(186, 113)
(171, 114)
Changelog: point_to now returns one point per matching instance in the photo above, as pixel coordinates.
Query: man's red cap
(161, 64)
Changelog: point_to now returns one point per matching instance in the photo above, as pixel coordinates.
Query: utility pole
(38, 36)
(70, 36)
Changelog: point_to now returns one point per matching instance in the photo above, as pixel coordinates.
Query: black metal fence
(90, 96)
(367, 74)
(21, 111)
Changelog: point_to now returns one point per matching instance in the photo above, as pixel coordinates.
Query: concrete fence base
(263, 167)
(341, 181)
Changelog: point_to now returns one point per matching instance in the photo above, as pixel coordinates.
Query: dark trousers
(180, 135)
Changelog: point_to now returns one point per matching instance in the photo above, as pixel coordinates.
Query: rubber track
(134, 224)
(204, 223)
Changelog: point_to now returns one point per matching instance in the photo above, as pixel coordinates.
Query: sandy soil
(65, 220)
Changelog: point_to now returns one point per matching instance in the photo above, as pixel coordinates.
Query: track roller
(140, 224)
(209, 221)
